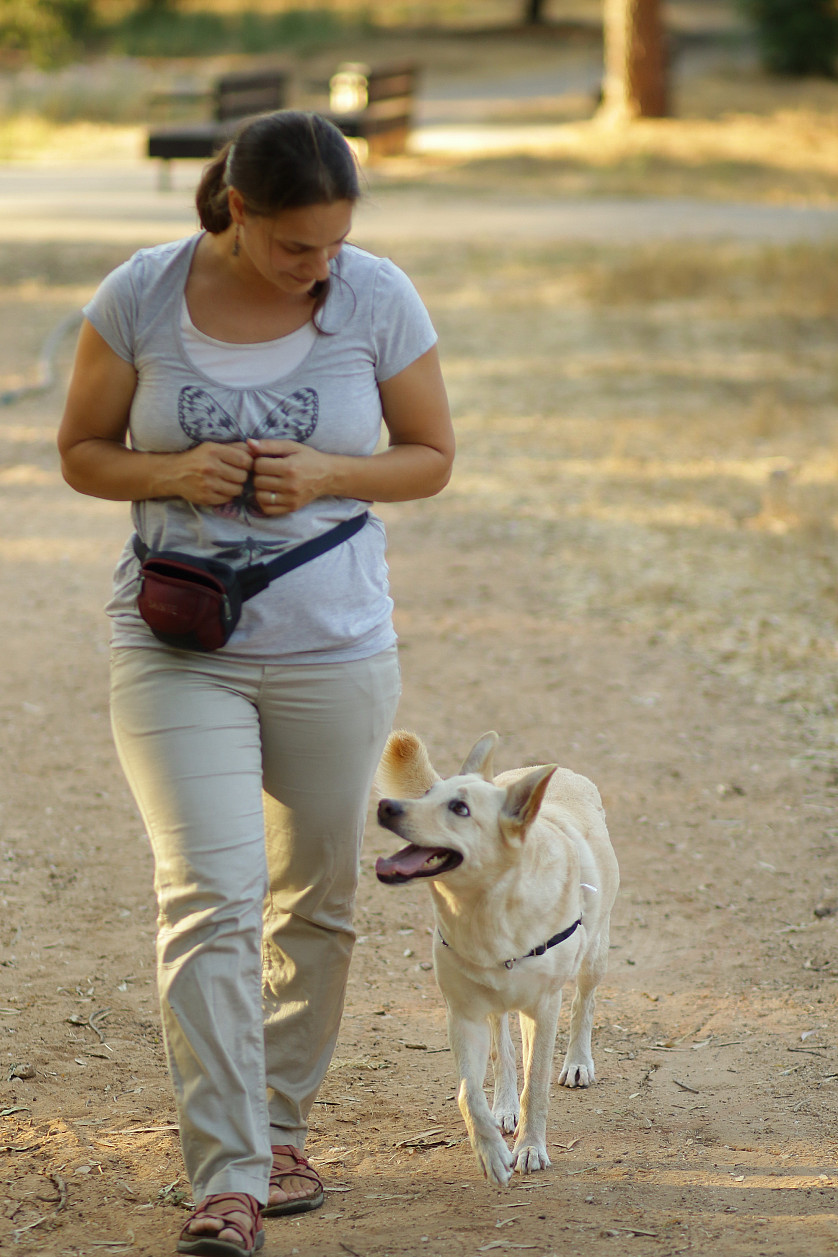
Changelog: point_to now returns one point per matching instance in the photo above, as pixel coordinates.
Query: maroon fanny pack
(195, 604)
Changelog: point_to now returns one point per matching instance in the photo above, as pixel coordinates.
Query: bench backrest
(240, 95)
(391, 81)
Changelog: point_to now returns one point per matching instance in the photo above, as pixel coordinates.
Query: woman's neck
(230, 300)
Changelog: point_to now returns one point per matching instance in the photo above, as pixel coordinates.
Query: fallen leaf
(422, 1140)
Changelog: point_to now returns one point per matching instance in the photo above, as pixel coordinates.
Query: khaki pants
(253, 783)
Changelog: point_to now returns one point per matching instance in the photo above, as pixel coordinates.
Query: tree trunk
(635, 60)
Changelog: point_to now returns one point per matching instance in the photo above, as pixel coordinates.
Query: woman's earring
(236, 245)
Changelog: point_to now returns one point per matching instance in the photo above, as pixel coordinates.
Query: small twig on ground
(141, 1130)
(61, 1187)
(684, 1087)
(30, 1226)
(97, 1017)
(633, 1230)
(504, 1244)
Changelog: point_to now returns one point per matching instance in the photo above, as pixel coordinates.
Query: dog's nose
(389, 809)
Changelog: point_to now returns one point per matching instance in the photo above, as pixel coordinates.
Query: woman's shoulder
(377, 279)
(357, 263)
(155, 260)
(368, 291)
(141, 286)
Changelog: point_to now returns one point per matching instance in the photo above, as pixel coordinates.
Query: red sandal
(300, 1169)
(221, 1207)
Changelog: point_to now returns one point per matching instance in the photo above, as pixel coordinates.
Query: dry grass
(656, 434)
(30, 138)
(785, 156)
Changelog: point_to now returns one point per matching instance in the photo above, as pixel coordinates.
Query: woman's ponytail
(211, 196)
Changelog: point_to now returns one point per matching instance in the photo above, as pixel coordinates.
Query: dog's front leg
(505, 1101)
(538, 1034)
(470, 1043)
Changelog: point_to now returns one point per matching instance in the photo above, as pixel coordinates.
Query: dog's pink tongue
(405, 863)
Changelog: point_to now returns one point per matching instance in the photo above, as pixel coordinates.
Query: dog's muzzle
(412, 861)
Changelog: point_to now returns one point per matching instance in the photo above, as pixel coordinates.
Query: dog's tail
(405, 771)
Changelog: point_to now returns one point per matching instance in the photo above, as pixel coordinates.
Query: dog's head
(466, 818)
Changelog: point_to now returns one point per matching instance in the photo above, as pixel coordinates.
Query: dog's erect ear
(480, 757)
(523, 799)
(405, 771)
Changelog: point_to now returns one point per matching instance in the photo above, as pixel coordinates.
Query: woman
(231, 386)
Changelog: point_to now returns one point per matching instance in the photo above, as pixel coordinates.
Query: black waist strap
(252, 580)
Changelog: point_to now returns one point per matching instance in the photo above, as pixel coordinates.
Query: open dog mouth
(413, 861)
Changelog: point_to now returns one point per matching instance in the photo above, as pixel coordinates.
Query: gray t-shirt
(336, 607)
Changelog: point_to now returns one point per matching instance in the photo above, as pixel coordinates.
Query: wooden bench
(234, 98)
(374, 104)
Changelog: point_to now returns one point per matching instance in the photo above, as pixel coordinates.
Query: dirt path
(710, 1129)
(95, 204)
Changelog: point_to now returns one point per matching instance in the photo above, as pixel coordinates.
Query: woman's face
(292, 249)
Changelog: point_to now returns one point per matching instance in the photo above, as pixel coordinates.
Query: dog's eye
(459, 808)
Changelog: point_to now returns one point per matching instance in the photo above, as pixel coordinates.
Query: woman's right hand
(96, 458)
(211, 474)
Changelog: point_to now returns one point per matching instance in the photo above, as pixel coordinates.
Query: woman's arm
(417, 463)
(95, 458)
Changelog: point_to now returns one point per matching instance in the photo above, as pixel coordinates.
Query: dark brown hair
(284, 160)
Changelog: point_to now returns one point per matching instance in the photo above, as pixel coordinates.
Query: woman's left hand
(287, 475)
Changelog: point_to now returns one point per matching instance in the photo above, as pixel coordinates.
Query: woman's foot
(228, 1224)
(295, 1184)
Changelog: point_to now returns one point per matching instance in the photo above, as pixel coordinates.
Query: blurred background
(764, 67)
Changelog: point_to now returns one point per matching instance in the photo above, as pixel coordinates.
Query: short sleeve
(113, 309)
(402, 327)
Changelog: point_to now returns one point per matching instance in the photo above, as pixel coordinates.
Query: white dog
(523, 882)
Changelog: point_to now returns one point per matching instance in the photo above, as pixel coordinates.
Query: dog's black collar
(536, 951)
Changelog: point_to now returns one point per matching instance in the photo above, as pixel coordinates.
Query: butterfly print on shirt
(203, 418)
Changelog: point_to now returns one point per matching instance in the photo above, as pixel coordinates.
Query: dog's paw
(495, 1160)
(577, 1074)
(506, 1116)
(530, 1157)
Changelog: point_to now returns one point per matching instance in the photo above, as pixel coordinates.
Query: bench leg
(164, 175)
